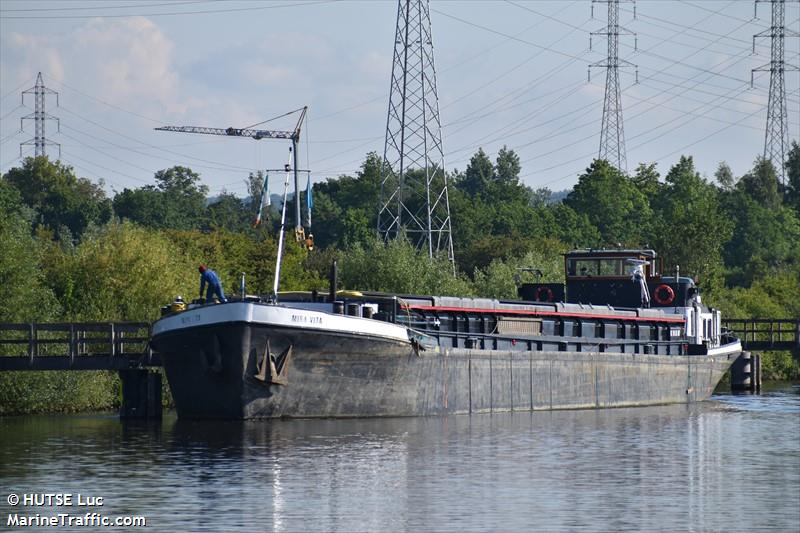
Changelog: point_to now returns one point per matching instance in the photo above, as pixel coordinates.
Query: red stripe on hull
(543, 313)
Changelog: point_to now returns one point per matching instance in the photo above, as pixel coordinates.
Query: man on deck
(214, 286)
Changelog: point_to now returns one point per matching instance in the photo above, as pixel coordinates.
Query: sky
(509, 73)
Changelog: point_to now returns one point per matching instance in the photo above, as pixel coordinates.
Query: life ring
(663, 294)
(544, 294)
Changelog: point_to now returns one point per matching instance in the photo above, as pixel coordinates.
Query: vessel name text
(307, 319)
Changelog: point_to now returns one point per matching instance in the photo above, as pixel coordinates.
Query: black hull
(211, 371)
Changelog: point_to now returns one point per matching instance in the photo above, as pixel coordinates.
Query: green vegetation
(72, 253)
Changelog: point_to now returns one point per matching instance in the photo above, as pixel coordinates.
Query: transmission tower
(776, 138)
(39, 116)
(413, 182)
(612, 135)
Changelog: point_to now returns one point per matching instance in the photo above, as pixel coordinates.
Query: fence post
(149, 347)
(112, 340)
(31, 343)
(72, 344)
(771, 333)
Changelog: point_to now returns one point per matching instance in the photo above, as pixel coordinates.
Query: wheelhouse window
(600, 267)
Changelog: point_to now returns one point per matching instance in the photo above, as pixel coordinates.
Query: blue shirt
(210, 277)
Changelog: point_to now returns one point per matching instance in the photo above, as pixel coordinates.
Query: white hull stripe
(733, 347)
(273, 315)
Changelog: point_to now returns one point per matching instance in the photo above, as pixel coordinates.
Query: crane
(257, 135)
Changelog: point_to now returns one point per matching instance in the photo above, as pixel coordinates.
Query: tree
(346, 208)
(397, 266)
(691, 228)
(59, 197)
(765, 241)
(480, 172)
(507, 166)
(177, 201)
(24, 293)
(793, 177)
(725, 177)
(228, 212)
(573, 228)
(119, 272)
(184, 197)
(646, 180)
(10, 199)
(497, 280)
(761, 184)
(541, 197)
(612, 203)
(143, 206)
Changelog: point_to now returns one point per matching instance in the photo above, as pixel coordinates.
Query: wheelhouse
(618, 277)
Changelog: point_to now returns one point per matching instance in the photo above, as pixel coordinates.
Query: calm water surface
(730, 464)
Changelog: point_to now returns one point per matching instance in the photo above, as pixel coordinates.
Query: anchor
(278, 366)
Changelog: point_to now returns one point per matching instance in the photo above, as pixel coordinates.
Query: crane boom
(233, 132)
(257, 135)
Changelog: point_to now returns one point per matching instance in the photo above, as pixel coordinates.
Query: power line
(707, 72)
(113, 106)
(19, 106)
(699, 6)
(18, 87)
(704, 31)
(159, 148)
(86, 8)
(116, 159)
(470, 58)
(167, 14)
(9, 137)
(509, 37)
(23, 154)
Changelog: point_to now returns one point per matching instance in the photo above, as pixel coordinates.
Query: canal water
(729, 464)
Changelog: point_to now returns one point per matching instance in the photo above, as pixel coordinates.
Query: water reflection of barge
(371, 354)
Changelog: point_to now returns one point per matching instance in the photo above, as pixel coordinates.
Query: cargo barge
(617, 333)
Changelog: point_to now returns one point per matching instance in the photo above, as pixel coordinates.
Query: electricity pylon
(39, 116)
(414, 195)
(612, 134)
(776, 137)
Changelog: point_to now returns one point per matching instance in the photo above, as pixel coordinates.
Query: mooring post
(141, 394)
(746, 373)
(757, 373)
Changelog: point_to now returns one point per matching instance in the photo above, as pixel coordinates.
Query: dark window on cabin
(603, 267)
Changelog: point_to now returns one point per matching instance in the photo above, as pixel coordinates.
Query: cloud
(25, 55)
(375, 65)
(119, 61)
(129, 58)
(270, 62)
(263, 73)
